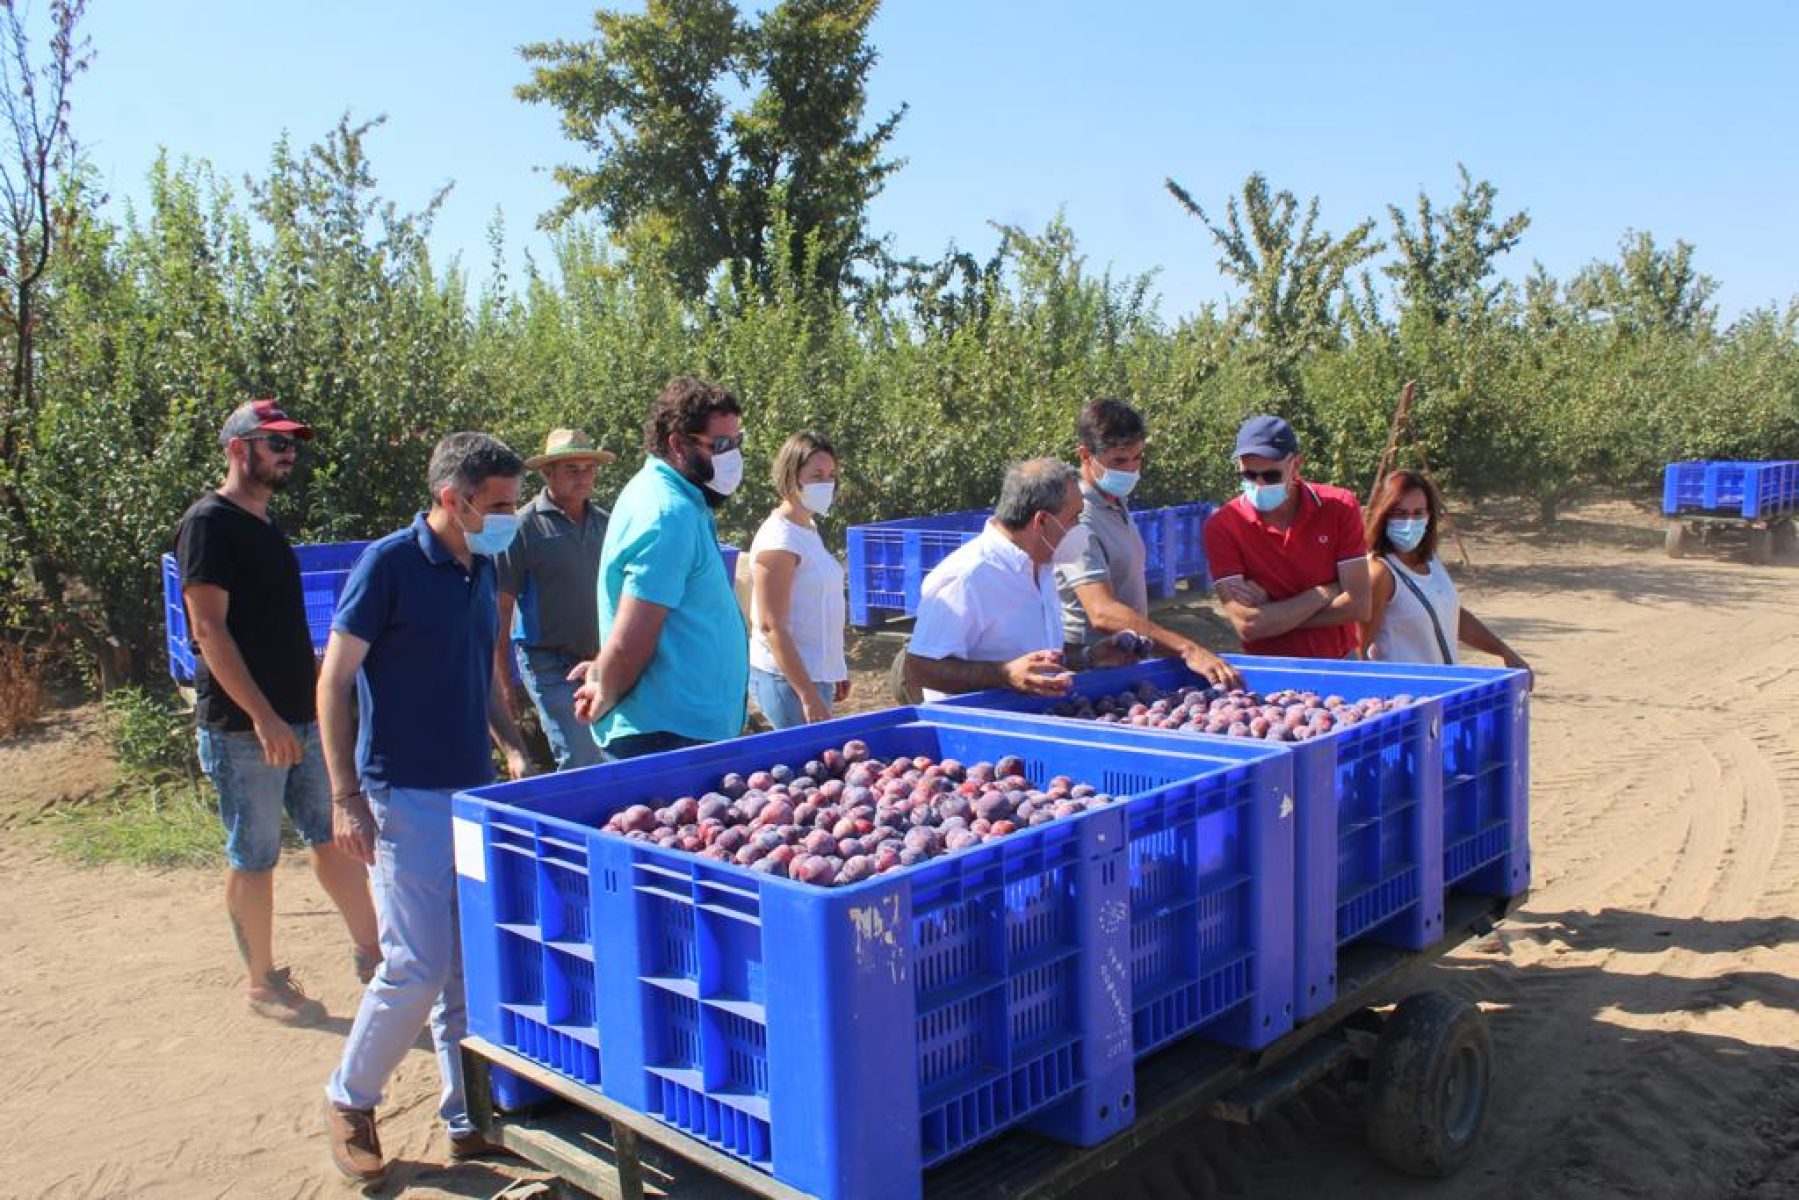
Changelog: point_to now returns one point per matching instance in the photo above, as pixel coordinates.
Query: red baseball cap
(261, 416)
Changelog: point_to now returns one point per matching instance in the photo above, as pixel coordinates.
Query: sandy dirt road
(1644, 1003)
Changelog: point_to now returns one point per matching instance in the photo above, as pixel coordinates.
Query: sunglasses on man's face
(720, 445)
(1270, 476)
(280, 443)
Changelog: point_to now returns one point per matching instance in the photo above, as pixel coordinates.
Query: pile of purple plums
(846, 816)
(1287, 715)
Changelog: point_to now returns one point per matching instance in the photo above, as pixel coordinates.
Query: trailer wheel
(1786, 533)
(1761, 546)
(1676, 541)
(1427, 1087)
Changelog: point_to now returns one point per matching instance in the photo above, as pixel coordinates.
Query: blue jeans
(778, 700)
(545, 676)
(253, 794)
(414, 880)
(637, 745)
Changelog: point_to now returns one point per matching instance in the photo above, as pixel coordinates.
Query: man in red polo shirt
(1288, 557)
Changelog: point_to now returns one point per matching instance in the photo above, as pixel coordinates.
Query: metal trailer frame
(1765, 537)
(608, 1150)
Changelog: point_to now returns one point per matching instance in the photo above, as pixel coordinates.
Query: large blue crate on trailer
(1391, 810)
(324, 567)
(845, 1039)
(1755, 491)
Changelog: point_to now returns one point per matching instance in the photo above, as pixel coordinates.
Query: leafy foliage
(691, 183)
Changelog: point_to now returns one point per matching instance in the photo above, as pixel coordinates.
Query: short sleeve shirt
(986, 602)
(1114, 555)
(551, 568)
(816, 611)
(662, 547)
(249, 558)
(1326, 531)
(423, 689)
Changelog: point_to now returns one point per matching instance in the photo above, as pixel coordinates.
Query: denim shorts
(252, 794)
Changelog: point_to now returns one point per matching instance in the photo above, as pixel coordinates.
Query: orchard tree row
(129, 334)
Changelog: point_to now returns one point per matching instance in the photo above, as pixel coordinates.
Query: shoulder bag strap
(1404, 576)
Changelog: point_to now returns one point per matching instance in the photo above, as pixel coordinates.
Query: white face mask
(817, 496)
(1068, 551)
(727, 472)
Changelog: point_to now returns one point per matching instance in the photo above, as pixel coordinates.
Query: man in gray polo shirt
(547, 583)
(1105, 592)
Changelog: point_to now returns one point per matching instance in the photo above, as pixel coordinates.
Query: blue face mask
(495, 535)
(1406, 532)
(1118, 483)
(1265, 496)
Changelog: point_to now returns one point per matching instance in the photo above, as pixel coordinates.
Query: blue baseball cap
(1266, 436)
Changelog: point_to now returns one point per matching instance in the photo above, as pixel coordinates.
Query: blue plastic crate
(1188, 544)
(1391, 810)
(889, 560)
(1752, 490)
(324, 568)
(845, 1039)
(1156, 527)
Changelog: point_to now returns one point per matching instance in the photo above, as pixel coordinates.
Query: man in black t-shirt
(254, 682)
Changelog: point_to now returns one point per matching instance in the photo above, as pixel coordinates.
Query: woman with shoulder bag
(1418, 616)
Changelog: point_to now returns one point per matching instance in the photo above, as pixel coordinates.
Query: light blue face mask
(1118, 483)
(1407, 532)
(495, 535)
(1265, 496)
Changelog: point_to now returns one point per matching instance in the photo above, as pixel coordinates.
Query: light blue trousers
(414, 881)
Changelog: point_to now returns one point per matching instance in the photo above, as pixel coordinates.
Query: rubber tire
(1761, 546)
(1676, 541)
(1786, 533)
(1428, 1083)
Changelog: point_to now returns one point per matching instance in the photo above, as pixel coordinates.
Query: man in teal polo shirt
(674, 665)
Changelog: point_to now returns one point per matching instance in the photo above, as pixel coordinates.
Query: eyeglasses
(1270, 476)
(719, 445)
(280, 443)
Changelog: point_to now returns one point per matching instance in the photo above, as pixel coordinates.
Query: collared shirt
(423, 688)
(987, 602)
(1326, 531)
(1114, 555)
(662, 547)
(551, 567)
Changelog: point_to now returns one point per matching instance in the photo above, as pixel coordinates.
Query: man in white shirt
(989, 614)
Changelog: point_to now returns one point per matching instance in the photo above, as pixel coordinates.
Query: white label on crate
(471, 849)
(1286, 806)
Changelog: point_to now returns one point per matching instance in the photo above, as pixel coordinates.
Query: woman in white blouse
(1418, 616)
(797, 606)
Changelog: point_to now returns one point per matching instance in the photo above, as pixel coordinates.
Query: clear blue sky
(1679, 119)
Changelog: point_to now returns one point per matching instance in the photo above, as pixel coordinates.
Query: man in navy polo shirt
(1288, 557)
(414, 633)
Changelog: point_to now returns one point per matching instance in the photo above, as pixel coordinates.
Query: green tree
(1444, 262)
(1292, 272)
(1648, 290)
(684, 177)
(38, 154)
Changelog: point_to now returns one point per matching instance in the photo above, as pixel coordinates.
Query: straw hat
(564, 444)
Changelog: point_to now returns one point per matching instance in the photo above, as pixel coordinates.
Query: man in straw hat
(547, 590)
